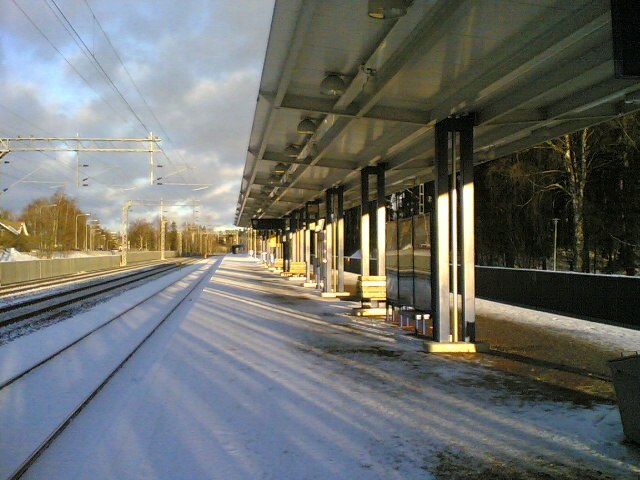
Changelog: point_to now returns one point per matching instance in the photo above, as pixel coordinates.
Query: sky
(187, 71)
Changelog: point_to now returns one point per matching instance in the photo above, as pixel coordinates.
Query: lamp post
(555, 240)
(77, 216)
(92, 232)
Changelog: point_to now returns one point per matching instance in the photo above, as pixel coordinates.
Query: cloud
(197, 64)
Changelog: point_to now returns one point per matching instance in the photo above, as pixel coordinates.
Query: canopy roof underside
(529, 70)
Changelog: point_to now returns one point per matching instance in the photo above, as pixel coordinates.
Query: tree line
(56, 223)
(579, 192)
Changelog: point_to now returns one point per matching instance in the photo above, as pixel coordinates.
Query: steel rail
(88, 398)
(30, 285)
(51, 303)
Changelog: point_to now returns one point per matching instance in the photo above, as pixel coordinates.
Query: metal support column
(329, 240)
(256, 244)
(340, 237)
(294, 239)
(440, 300)
(445, 283)
(364, 222)
(300, 231)
(468, 235)
(307, 250)
(381, 218)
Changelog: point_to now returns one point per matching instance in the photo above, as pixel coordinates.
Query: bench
(296, 269)
(372, 288)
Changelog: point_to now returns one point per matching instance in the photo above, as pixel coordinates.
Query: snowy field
(607, 336)
(13, 255)
(256, 378)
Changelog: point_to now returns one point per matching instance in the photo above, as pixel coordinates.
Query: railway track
(52, 302)
(72, 372)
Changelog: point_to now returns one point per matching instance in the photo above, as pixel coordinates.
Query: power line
(144, 100)
(87, 52)
(80, 43)
(65, 59)
(44, 35)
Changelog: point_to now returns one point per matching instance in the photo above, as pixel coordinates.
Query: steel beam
(317, 106)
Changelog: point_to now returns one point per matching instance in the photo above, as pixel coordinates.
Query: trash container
(626, 380)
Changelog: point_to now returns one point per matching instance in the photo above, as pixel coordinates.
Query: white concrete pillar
(364, 222)
(440, 299)
(381, 218)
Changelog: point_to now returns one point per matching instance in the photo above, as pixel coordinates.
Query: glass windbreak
(422, 261)
(408, 243)
(391, 264)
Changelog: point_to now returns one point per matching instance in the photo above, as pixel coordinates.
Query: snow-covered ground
(607, 336)
(35, 405)
(257, 378)
(13, 255)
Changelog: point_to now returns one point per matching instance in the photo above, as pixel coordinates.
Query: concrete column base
(334, 294)
(456, 347)
(370, 312)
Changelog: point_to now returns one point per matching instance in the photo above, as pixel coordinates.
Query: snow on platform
(260, 379)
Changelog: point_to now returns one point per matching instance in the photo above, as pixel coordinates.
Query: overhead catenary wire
(163, 131)
(88, 53)
(77, 72)
(62, 18)
(59, 160)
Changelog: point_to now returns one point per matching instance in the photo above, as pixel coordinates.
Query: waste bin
(626, 380)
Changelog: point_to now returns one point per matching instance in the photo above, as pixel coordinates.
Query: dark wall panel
(607, 297)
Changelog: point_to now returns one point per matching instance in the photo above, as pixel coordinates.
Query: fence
(14, 272)
(611, 298)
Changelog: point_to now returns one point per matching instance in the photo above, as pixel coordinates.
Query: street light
(555, 240)
(94, 224)
(80, 215)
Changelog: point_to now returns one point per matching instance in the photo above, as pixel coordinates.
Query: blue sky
(197, 64)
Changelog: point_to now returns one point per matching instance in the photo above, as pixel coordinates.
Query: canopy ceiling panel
(527, 70)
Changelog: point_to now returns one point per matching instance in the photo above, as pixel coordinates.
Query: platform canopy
(529, 70)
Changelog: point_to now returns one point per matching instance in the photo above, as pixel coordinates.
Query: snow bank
(13, 255)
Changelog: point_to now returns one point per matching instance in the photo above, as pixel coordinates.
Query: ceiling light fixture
(292, 150)
(306, 127)
(333, 85)
(280, 169)
(387, 9)
(632, 98)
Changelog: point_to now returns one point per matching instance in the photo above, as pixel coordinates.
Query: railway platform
(254, 377)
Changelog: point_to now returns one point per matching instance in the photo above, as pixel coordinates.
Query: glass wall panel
(405, 261)
(392, 261)
(422, 261)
